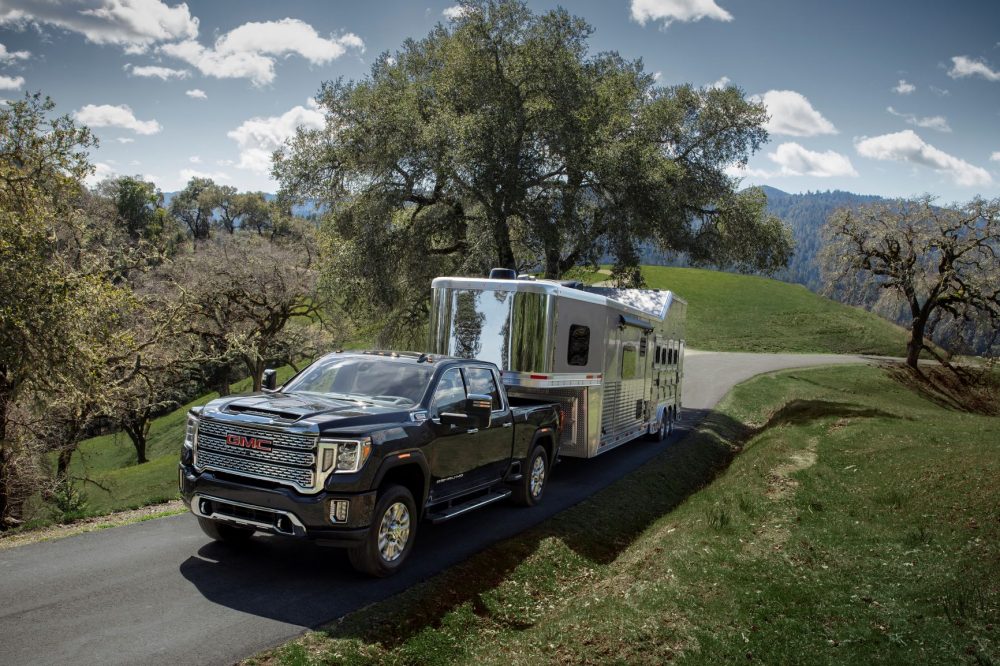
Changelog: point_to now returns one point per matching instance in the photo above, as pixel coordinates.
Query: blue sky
(891, 98)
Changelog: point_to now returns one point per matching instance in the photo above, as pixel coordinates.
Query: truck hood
(303, 409)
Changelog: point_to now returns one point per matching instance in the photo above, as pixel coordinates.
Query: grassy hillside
(728, 312)
(857, 524)
(118, 482)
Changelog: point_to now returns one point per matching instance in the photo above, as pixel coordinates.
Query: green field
(823, 516)
(729, 312)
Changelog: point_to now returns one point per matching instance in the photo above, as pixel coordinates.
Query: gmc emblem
(248, 442)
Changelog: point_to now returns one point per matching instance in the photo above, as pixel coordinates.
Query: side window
(579, 345)
(449, 394)
(481, 381)
(630, 357)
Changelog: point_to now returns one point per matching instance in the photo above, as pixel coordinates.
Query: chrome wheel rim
(537, 475)
(394, 531)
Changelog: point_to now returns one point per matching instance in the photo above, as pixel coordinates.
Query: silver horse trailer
(614, 358)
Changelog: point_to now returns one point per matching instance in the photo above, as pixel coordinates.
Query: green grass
(117, 482)
(824, 516)
(729, 312)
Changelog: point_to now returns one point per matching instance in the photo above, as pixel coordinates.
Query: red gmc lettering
(248, 442)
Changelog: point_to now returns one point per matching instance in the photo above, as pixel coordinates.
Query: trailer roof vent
(503, 274)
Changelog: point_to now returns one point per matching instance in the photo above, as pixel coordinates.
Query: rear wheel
(531, 487)
(224, 533)
(662, 428)
(390, 538)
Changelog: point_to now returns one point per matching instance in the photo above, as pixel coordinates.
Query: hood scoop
(258, 411)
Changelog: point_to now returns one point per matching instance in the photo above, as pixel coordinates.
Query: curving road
(160, 593)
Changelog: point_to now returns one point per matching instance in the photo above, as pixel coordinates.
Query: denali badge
(248, 442)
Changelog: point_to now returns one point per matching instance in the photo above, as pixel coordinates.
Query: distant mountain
(805, 214)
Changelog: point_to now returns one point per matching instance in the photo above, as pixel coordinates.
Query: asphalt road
(160, 592)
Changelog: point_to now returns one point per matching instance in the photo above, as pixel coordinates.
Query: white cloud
(11, 82)
(258, 138)
(106, 115)
(162, 73)
(995, 156)
(669, 11)
(795, 160)
(194, 159)
(940, 92)
(249, 51)
(721, 83)
(187, 174)
(125, 139)
(907, 146)
(904, 87)
(454, 12)
(135, 25)
(101, 171)
(939, 123)
(963, 66)
(736, 171)
(10, 56)
(793, 115)
(196, 93)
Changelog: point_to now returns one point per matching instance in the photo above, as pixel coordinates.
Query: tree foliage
(499, 140)
(942, 264)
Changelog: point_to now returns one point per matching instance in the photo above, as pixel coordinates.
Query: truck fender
(549, 434)
(411, 458)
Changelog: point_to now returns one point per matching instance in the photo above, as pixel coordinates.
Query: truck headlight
(344, 455)
(191, 432)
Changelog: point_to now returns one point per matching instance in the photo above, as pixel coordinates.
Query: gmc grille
(291, 460)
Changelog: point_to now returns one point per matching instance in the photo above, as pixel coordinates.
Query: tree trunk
(916, 343)
(552, 263)
(4, 481)
(501, 239)
(257, 372)
(136, 431)
(62, 465)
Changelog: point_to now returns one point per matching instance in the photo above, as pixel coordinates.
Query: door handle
(472, 430)
(508, 424)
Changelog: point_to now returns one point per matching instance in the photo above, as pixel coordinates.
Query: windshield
(365, 379)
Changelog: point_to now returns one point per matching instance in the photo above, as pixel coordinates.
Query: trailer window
(579, 345)
(481, 381)
(630, 359)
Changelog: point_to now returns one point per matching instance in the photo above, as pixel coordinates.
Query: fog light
(338, 511)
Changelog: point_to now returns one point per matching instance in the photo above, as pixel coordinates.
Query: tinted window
(630, 358)
(480, 380)
(579, 345)
(449, 395)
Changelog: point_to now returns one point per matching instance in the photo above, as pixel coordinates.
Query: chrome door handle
(508, 424)
(472, 430)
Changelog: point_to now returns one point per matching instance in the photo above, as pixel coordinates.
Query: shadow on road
(621, 492)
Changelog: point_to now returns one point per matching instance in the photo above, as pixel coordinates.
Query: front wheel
(224, 533)
(531, 487)
(390, 538)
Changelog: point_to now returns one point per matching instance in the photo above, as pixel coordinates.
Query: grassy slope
(859, 524)
(728, 312)
(109, 460)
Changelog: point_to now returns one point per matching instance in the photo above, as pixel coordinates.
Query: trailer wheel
(531, 487)
(224, 533)
(663, 427)
(390, 538)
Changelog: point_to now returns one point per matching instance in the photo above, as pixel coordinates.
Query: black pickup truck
(358, 447)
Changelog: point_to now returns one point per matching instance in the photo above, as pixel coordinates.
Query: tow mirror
(475, 412)
(269, 381)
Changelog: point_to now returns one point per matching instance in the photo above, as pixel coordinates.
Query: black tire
(225, 533)
(662, 429)
(386, 559)
(530, 489)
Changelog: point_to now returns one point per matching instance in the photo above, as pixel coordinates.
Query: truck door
(459, 457)
(496, 443)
